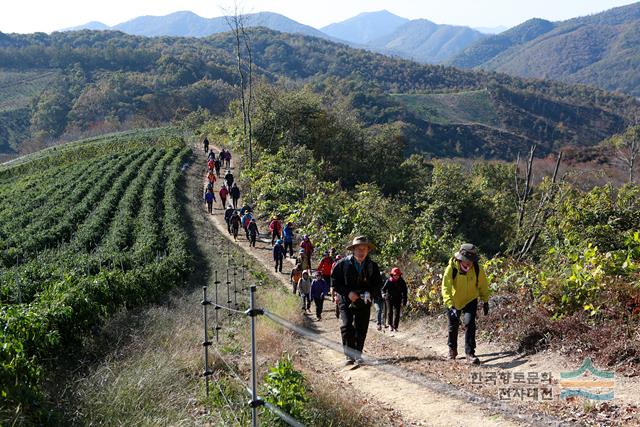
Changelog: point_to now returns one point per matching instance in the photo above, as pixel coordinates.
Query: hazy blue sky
(48, 15)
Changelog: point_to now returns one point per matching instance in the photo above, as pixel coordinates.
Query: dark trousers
(274, 235)
(228, 226)
(235, 203)
(278, 264)
(234, 229)
(288, 245)
(319, 302)
(306, 301)
(354, 323)
(468, 317)
(393, 312)
(210, 206)
(224, 202)
(252, 239)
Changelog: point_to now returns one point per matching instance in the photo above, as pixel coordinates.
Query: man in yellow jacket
(462, 283)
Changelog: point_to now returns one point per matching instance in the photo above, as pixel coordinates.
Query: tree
(627, 149)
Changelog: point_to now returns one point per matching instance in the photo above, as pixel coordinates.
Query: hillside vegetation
(106, 81)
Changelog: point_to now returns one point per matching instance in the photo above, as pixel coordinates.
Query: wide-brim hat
(468, 253)
(361, 240)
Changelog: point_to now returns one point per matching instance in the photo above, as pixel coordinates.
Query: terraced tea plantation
(84, 230)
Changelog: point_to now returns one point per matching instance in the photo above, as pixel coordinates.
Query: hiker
(318, 292)
(211, 177)
(296, 274)
(209, 197)
(223, 195)
(288, 235)
(356, 279)
(227, 217)
(307, 246)
(276, 229)
(394, 292)
(235, 195)
(205, 143)
(227, 159)
(246, 208)
(246, 220)
(217, 164)
(278, 255)
(334, 295)
(228, 177)
(209, 186)
(253, 232)
(210, 165)
(325, 266)
(463, 282)
(211, 155)
(304, 290)
(235, 224)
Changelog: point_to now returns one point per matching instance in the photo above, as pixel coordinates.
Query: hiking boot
(379, 327)
(359, 361)
(349, 362)
(472, 359)
(452, 354)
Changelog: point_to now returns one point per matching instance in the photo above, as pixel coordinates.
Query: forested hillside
(103, 81)
(599, 50)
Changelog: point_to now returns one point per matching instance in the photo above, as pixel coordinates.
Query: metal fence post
(206, 343)
(255, 402)
(235, 288)
(229, 295)
(217, 307)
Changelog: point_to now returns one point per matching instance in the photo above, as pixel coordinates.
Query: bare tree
(627, 149)
(236, 23)
(529, 231)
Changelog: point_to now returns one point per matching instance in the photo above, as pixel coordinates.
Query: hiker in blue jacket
(288, 238)
(318, 292)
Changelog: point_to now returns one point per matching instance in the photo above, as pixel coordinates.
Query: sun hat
(361, 240)
(395, 271)
(468, 252)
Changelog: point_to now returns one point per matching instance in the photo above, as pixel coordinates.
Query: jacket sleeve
(447, 287)
(405, 292)
(337, 279)
(483, 286)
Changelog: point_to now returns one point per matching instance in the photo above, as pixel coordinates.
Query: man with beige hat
(356, 280)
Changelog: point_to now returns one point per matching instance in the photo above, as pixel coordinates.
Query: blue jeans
(379, 303)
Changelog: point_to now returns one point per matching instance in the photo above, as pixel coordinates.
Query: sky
(27, 16)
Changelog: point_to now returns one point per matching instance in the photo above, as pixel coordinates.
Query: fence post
(229, 295)
(255, 402)
(217, 307)
(235, 288)
(206, 343)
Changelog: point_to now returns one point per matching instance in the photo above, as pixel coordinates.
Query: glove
(485, 308)
(453, 312)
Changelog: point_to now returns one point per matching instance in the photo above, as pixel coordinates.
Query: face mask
(464, 268)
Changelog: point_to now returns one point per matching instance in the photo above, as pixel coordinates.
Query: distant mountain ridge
(601, 50)
(189, 24)
(382, 31)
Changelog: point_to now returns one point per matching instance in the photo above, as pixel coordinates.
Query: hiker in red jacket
(325, 267)
(307, 246)
(223, 195)
(276, 229)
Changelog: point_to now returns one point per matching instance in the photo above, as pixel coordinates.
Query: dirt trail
(414, 378)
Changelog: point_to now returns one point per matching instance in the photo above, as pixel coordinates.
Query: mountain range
(601, 50)
(383, 32)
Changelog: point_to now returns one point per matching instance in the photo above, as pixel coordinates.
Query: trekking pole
(255, 402)
(217, 325)
(206, 343)
(229, 295)
(235, 289)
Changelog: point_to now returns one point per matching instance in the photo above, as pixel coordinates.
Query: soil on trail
(408, 372)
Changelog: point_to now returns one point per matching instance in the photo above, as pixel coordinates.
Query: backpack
(476, 268)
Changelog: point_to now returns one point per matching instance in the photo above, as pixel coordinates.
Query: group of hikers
(228, 189)
(354, 283)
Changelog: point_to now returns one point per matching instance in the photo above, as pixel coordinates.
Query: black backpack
(476, 268)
